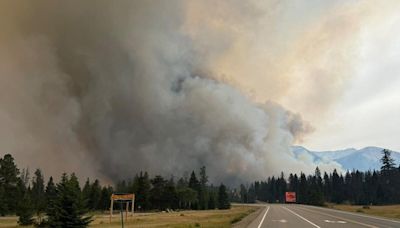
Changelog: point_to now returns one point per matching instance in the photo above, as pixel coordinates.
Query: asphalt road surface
(298, 216)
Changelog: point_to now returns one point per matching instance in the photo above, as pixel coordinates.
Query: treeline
(66, 204)
(355, 187)
(191, 192)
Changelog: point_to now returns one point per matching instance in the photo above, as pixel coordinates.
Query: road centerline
(262, 220)
(302, 217)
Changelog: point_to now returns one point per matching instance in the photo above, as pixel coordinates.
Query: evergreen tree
(104, 202)
(95, 194)
(69, 209)
(157, 193)
(193, 182)
(3, 206)
(182, 183)
(302, 194)
(86, 191)
(25, 210)
(212, 202)
(195, 185)
(8, 182)
(251, 194)
(143, 192)
(203, 192)
(387, 161)
(50, 199)
(171, 195)
(38, 193)
(223, 199)
(243, 194)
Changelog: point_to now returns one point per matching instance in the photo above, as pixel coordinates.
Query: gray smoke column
(109, 88)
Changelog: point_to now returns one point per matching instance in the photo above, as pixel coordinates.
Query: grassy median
(207, 218)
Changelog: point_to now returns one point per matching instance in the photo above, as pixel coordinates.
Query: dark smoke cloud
(108, 88)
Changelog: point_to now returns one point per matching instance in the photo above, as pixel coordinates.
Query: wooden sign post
(122, 198)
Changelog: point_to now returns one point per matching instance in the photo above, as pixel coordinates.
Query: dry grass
(391, 211)
(9, 221)
(208, 218)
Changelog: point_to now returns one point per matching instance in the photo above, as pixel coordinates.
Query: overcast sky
(368, 113)
(334, 62)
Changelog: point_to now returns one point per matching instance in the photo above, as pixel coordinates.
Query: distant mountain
(364, 159)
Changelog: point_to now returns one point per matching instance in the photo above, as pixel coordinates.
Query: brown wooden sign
(123, 196)
(123, 199)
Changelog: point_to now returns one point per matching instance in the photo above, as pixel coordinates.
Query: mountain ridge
(367, 158)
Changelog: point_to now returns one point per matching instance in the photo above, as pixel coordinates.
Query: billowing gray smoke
(113, 87)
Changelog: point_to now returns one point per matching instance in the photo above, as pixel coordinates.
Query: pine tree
(195, 185)
(143, 192)
(387, 161)
(157, 193)
(8, 182)
(203, 191)
(212, 202)
(243, 194)
(302, 194)
(69, 208)
(86, 191)
(38, 193)
(95, 194)
(50, 199)
(171, 195)
(104, 202)
(25, 210)
(3, 206)
(223, 199)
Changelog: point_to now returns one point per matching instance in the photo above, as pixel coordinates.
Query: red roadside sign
(290, 197)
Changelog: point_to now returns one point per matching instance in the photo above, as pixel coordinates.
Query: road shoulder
(246, 221)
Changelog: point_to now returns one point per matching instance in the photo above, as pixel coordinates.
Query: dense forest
(51, 204)
(354, 187)
(66, 204)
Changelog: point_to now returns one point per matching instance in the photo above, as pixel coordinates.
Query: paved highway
(298, 216)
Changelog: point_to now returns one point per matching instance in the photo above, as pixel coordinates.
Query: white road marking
(302, 217)
(350, 213)
(345, 219)
(262, 220)
(281, 220)
(329, 221)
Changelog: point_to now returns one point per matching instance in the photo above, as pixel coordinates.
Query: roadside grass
(389, 211)
(179, 219)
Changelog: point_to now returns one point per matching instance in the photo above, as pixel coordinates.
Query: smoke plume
(109, 88)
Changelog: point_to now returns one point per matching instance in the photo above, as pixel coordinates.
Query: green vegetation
(223, 200)
(360, 188)
(65, 204)
(69, 209)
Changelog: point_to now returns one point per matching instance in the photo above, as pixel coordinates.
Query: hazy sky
(368, 113)
(334, 62)
(230, 84)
